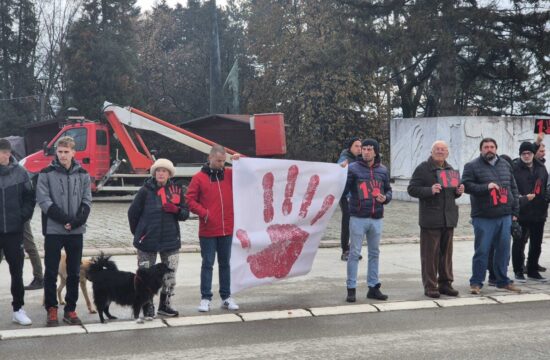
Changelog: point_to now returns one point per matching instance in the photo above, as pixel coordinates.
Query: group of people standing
(63, 193)
(505, 194)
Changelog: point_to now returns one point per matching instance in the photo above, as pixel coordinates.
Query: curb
(237, 317)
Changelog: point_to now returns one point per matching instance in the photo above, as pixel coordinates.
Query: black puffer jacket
(16, 197)
(435, 210)
(155, 230)
(531, 181)
(476, 177)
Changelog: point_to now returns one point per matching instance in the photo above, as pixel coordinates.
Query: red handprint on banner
(375, 185)
(455, 178)
(538, 187)
(286, 240)
(503, 196)
(175, 194)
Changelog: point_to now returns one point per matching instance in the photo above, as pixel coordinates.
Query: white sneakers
(230, 304)
(20, 317)
(204, 306)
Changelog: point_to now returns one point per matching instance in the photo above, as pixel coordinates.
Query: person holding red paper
(531, 177)
(438, 216)
(494, 204)
(153, 216)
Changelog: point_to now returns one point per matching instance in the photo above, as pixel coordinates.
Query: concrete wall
(411, 141)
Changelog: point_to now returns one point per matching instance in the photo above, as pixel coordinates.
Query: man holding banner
(436, 184)
(368, 182)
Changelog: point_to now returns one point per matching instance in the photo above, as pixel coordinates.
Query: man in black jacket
(16, 207)
(494, 202)
(531, 177)
(349, 155)
(436, 184)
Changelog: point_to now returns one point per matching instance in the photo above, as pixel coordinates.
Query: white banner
(282, 208)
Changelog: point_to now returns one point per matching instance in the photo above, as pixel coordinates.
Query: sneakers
(432, 293)
(475, 290)
(351, 296)
(447, 290)
(375, 293)
(51, 318)
(537, 277)
(510, 287)
(148, 311)
(71, 318)
(204, 305)
(35, 284)
(520, 278)
(492, 282)
(230, 304)
(20, 317)
(541, 268)
(164, 306)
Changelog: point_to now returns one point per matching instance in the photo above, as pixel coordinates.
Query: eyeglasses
(525, 153)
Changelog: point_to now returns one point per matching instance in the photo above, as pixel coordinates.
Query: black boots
(351, 295)
(375, 293)
(164, 306)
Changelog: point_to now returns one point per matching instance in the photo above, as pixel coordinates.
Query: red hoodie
(210, 196)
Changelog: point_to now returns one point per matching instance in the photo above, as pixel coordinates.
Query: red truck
(93, 146)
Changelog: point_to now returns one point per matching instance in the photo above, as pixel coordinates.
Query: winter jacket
(210, 196)
(16, 197)
(435, 210)
(64, 196)
(531, 181)
(347, 155)
(364, 183)
(154, 229)
(476, 177)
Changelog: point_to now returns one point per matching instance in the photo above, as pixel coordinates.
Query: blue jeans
(209, 247)
(358, 227)
(489, 233)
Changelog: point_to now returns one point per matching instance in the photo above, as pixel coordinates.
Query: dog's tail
(98, 264)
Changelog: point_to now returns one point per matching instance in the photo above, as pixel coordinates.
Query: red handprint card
(282, 208)
(448, 178)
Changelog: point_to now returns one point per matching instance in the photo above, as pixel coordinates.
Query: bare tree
(55, 18)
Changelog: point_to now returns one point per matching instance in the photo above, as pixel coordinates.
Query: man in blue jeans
(494, 202)
(369, 186)
(210, 196)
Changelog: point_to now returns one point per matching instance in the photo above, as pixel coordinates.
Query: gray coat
(65, 197)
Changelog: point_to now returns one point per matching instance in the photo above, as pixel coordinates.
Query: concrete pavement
(321, 292)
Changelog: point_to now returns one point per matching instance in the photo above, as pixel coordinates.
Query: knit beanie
(373, 143)
(165, 164)
(526, 146)
(350, 141)
(5, 145)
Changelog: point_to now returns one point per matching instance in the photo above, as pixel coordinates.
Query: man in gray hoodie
(64, 195)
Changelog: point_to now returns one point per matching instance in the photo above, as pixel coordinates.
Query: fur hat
(5, 145)
(165, 164)
(526, 146)
(373, 143)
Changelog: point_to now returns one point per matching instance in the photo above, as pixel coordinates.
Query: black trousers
(52, 254)
(532, 232)
(12, 246)
(344, 234)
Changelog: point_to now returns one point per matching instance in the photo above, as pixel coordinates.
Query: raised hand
(286, 240)
(375, 185)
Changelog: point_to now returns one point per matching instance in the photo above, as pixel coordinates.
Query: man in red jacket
(210, 196)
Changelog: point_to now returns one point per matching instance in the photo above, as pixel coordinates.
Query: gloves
(170, 208)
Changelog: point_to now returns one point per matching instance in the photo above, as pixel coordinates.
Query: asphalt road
(512, 331)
